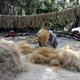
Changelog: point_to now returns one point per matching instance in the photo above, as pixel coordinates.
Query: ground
(38, 72)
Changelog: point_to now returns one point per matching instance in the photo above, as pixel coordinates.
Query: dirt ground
(62, 41)
(39, 72)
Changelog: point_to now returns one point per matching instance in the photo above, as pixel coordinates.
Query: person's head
(66, 22)
(47, 25)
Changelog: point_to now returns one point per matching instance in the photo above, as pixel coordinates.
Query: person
(12, 33)
(46, 36)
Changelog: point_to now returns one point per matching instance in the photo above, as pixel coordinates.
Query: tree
(8, 6)
(34, 6)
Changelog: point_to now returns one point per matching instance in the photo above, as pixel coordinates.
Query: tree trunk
(77, 2)
(1, 7)
(13, 10)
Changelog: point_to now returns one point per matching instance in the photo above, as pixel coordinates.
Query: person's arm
(51, 32)
(38, 32)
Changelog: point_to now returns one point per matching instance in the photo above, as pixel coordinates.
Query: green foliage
(33, 6)
(57, 26)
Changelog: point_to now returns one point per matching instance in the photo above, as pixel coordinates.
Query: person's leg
(52, 41)
(55, 43)
(39, 43)
(42, 44)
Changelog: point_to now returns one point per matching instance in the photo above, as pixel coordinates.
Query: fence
(33, 21)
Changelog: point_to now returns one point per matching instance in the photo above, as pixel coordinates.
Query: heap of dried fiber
(10, 65)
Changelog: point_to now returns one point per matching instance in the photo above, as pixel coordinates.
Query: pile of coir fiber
(65, 57)
(10, 65)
